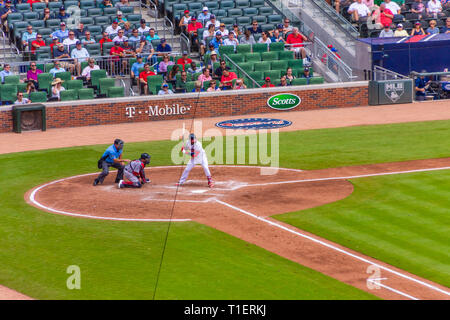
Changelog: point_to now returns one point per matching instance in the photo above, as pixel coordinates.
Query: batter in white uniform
(198, 156)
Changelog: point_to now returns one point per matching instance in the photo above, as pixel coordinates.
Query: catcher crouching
(134, 173)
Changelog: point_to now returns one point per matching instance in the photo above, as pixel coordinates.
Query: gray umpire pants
(105, 171)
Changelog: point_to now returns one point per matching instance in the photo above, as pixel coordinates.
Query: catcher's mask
(192, 138)
(119, 144)
(146, 157)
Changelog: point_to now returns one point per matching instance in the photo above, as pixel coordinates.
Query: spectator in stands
(205, 76)
(71, 40)
(286, 26)
(239, 84)
(122, 3)
(62, 33)
(47, 15)
(143, 27)
(172, 75)
(227, 78)
(104, 39)
(86, 73)
(217, 41)
(32, 74)
(181, 82)
(193, 70)
(79, 55)
(128, 49)
(231, 41)
(342, 4)
(204, 16)
(117, 62)
(206, 34)
(446, 28)
(434, 9)
(106, 4)
(432, 29)
(56, 68)
(212, 86)
(30, 88)
(162, 66)
(184, 60)
(267, 83)
(5, 72)
(295, 39)
(306, 74)
(236, 30)
(143, 78)
(55, 42)
(289, 75)
(36, 44)
(121, 20)
(198, 87)
(255, 28)
(146, 48)
(387, 32)
(163, 47)
(135, 37)
(62, 54)
(213, 21)
(283, 82)
(276, 35)
(265, 39)
(152, 35)
(87, 39)
(21, 99)
(56, 89)
(134, 72)
(127, 30)
(386, 15)
(62, 15)
(417, 30)
(31, 2)
(421, 85)
(395, 9)
(247, 38)
(120, 37)
(359, 11)
(113, 29)
(184, 21)
(419, 8)
(164, 90)
(4, 13)
(218, 73)
(212, 59)
(26, 36)
(81, 31)
(222, 30)
(400, 32)
(192, 31)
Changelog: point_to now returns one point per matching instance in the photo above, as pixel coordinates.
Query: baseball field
(359, 212)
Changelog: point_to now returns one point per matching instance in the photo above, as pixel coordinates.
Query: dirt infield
(9, 294)
(240, 204)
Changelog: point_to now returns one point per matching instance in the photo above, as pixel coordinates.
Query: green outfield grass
(120, 259)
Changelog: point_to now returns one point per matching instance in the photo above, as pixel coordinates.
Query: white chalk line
(377, 283)
(277, 225)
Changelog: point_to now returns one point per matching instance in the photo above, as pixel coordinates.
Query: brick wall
(214, 104)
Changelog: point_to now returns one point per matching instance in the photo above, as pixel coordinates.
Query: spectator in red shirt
(296, 39)
(143, 78)
(386, 15)
(268, 84)
(117, 63)
(184, 59)
(227, 79)
(105, 38)
(32, 1)
(55, 42)
(192, 30)
(37, 43)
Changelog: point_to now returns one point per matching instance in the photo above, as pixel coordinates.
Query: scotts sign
(283, 101)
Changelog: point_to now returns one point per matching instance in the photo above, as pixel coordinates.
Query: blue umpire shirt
(112, 153)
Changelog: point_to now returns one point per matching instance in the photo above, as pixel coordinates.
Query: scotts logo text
(283, 101)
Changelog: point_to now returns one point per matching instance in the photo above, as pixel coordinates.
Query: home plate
(199, 191)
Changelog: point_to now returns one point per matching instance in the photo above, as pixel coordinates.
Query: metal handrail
(172, 29)
(242, 70)
(185, 40)
(4, 43)
(332, 62)
(386, 74)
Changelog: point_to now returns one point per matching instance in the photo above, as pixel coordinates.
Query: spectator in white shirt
(434, 9)
(21, 99)
(387, 32)
(113, 29)
(222, 30)
(231, 41)
(265, 39)
(86, 74)
(120, 37)
(70, 41)
(395, 9)
(213, 21)
(359, 11)
(79, 54)
(143, 28)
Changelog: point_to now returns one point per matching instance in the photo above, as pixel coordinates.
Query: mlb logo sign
(394, 90)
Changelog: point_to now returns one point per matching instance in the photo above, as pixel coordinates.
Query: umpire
(112, 157)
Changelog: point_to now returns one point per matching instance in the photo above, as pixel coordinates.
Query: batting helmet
(192, 137)
(146, 157)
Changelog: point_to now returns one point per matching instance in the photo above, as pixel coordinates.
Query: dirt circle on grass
(260, 191)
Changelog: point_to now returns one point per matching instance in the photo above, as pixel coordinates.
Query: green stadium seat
(32, 15)
(87, 21)
(8, 93)
(38, 96)
(22, 87)
(87, 4)
(65, 76)
(52, 23)
(101, 20)
(259, 47)
(228, 21)
(48, 67)
(233, 13)
(206, 85)
(285, 55)
(107, 47)
(226, 50)
(257, 3)
(38, 6)
(243, 21)
(279, 65)
(242, 4)
(86, 94)
(68, 95)
(15, 79)
(74, 84)
(57, 5)
(253, 57)
(273, 74)
(262, 66)
(246, 66)
(299, 81)
(69, 3)
(96, 75)
(212, 5)
(265, 11)
(23, 7)
(295, 64)
(266, 27)
(274, 19)
(104, 84)
(276, 46)
(95, 12)
(220, 14)
(237, 58)
(256, 75)
(243, 48)
(226, 4)
(250, 12)
(116, 92)
(316, 80)
(126, 10)
(93, 49)
(260, 19)
(269, 56)
(45, 81)
(154, 83)
(36, 24)
(15, 17)
(134, 19)
(190, 85)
